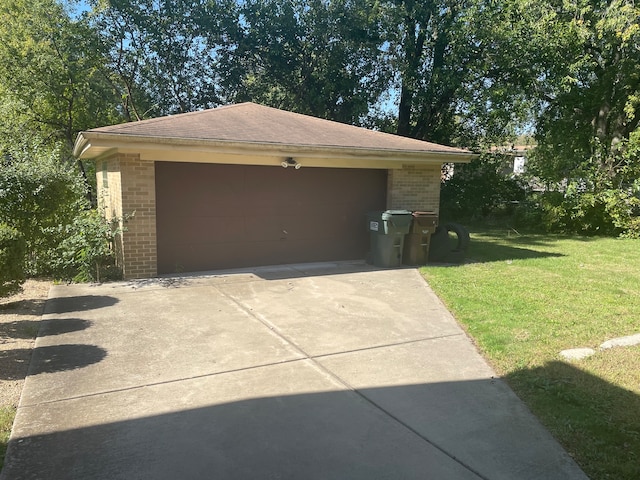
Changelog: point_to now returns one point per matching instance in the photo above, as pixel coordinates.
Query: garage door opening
(212, 216)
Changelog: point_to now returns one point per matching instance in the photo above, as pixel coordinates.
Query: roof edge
(91, 144)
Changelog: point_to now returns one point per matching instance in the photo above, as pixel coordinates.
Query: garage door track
(325, 371)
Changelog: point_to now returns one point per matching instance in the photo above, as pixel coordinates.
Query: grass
(523, 299)
(7, 414)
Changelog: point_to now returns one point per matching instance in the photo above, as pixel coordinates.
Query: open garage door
(212, 216)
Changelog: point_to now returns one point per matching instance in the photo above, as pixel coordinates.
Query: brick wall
(110, 198)
(139, 197)
(129, 189)
(414, 187)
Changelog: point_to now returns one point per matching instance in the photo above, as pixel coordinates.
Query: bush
(39, 192)
(12, 254)
(623, 207)
(480, 189)
(86, 253)
(44, 198)
(610, 212)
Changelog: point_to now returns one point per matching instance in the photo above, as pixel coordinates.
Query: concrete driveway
(325, 371)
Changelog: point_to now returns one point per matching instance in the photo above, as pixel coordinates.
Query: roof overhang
(97, 145)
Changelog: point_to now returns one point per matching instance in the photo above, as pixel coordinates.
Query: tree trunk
(413, 50)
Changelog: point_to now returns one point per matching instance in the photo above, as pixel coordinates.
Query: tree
(317, 57)
(162, 53)
(51, 83)
(464, 70)
(588, 130)
(52, 79)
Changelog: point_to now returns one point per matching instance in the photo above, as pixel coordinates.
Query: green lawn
(7, 414)
(524, 298)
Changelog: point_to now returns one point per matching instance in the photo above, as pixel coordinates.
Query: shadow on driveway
(78, 303)
(60, 326)
(319, 435)
(56, 358)
(320, 375)
(59, 358)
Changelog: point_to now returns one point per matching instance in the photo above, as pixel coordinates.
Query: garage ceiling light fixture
(290, 162)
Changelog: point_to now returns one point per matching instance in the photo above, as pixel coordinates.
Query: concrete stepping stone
(577, 353)
(580, 353)
(628, 341)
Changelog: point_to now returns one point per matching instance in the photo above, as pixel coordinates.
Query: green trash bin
(387, 230)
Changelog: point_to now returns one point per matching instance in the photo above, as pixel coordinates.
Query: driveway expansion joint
(164, 382)
(348, 386)
(387, 345)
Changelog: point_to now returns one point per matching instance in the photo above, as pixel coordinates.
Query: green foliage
(161, 54)
(12, 256)
(480, 189)
(456, 66)
(460, 67)
(612, 212)
(38, 194)
(588, 128)
(314, 57)
(86, 253)
(7, 414)
(623, 207)
(577, 212)
(43, 198)
(52, 81)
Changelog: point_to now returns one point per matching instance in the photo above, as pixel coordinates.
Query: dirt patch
(20, 317)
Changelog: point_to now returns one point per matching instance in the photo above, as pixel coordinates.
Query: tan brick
(131, 189)
(414, 188)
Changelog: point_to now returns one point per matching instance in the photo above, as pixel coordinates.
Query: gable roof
(247, 126)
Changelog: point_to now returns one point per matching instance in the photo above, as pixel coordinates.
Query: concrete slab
(283, 421)
(317, 371)
(454, 402)
(125, 338)
(330, 314)
(577, 353)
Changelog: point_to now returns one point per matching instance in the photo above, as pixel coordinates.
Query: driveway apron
(324, 371)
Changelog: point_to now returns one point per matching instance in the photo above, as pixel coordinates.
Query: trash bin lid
(425, 218)
(389, 213)
(424, 214)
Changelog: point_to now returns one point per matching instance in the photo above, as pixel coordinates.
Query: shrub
(623, 208)
(39, 192)
(480, 189)
(12, 253)
(86, 253)
(610, 212)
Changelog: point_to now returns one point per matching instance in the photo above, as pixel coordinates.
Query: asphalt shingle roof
(258, 124)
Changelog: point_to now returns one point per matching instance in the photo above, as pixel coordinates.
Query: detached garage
(247, 185)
